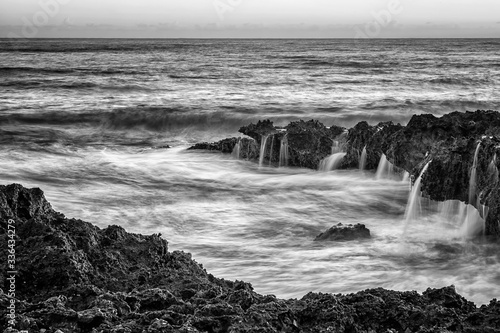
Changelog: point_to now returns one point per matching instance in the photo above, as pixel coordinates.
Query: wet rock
(309, 142)
(341, 232)
(224, 146)
(248, 148)
(89, 280)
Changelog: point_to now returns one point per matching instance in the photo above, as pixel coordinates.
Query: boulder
(341, 232)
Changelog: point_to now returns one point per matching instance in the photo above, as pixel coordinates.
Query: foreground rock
(342, 232)
(75, 277)
(462, 150)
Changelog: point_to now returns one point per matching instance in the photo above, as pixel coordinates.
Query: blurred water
(257, 224)
(88, 122)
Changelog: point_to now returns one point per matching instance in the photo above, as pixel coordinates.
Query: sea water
(89, 122)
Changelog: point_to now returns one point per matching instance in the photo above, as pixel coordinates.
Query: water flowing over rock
(460, 144)
(362, 161)
(75, 277)
(473, 174)
(385, 168)
(413, 207)
(493, 170)
(284, 154)
(263, 147)
(332, 162)
(237, 149)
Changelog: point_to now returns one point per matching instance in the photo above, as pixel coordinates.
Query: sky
(250, 18)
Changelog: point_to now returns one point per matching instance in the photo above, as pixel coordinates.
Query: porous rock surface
(75, 277)
(341, 232)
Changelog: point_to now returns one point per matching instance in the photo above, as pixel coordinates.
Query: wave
(11, 70)
(150, 118)
(461, 81)
(429, 105)
(76, 70)
(70, 85)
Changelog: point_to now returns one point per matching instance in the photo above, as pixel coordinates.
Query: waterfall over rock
(271, 152)
(493, 170)
(385, 168)
(262, 153)
(362, 160)
(284, 154)
(406, 177)
(332, 162)
(237, 149)
(473, 175)
(413, 207)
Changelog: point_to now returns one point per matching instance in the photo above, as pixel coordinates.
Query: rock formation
(75, 277)
(452, 142)
(342, 232)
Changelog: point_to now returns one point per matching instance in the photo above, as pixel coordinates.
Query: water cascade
(237, 149)
(413, 207)
(493, 170)
(284, 155)
(336, 147)
(385, 168)
(332, 162)
(406, 177)
(472, 180)
(271, 152)
(262, 152)
(362, 160)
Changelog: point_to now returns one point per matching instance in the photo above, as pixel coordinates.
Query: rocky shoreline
(74, 277)
(461, 150)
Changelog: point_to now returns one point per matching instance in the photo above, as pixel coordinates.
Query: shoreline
(75, 277)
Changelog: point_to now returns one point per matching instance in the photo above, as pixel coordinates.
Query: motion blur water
(89, 122)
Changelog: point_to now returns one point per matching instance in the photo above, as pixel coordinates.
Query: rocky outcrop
(244, 148)
(75, 277)
(375, 139)
(300, 144)
(342, 232)
(450, 142)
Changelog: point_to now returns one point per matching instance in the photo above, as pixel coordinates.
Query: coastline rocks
(299, 144)
(342, 232)
(243, 148)
(75, 277)
(464, 148)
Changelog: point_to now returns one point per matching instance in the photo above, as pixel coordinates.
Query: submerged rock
(75, 277)
(341, 232)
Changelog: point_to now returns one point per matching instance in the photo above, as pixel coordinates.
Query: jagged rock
(374, 138)
(225, 146)
(107, 280)
(341, 232)
(248, 148)
(257, 131)
(309, 142)
(449, 142)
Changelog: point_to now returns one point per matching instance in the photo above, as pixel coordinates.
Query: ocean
(90, 121)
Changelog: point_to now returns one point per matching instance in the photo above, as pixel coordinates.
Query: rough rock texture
(450, 142)
(373, 138)
(342, 232)
(248, 148)
(75, 277)
(306, 143)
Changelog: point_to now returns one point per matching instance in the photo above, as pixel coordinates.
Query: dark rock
(449, 141)
(75, 277)
(224, 146)
(342, 232)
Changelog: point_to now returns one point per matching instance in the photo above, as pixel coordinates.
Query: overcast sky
(250, 18)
